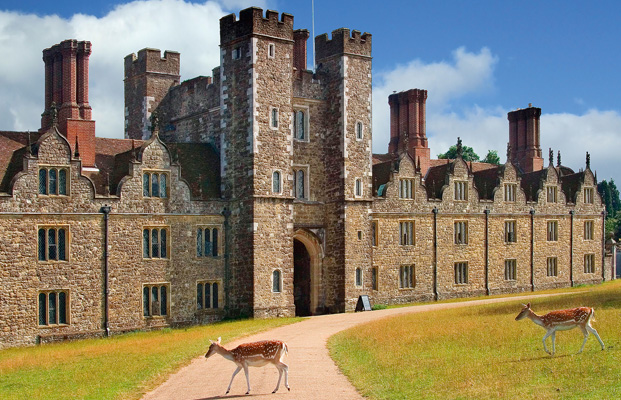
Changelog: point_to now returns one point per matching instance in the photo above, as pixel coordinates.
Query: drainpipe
(435, 253)
(106, 213)
(571, 248)
(532, 249)
(604, 245)
(226, 213)
(487, 251)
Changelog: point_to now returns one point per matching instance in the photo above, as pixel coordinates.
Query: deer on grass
(255, 354)
(562, 320)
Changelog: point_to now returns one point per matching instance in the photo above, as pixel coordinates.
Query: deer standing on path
(562, 320)
(255, 354)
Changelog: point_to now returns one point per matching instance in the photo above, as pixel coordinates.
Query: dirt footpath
(312, 373)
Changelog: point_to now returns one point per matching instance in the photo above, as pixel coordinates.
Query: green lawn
(119, 367)
(483, 353)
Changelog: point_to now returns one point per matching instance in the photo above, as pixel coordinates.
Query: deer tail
(284, 345)
(592, 316)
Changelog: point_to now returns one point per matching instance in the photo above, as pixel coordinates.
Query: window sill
(50, 326)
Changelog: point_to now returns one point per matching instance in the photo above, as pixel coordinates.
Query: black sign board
(363, 303)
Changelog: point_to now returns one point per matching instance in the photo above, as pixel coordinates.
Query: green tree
(468, 154)
(492, 157)
(610, 197)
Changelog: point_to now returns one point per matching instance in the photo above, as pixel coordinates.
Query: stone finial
(460, 150)
(551, 156)
(54, 113)
(588, 160)
(558, 159)
(508, 151)
(418, 164)
(76, 153)
(155, 123)
(29, 144)
(133, 154)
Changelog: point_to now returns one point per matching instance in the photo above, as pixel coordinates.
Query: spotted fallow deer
(562, 320)
(255, 354)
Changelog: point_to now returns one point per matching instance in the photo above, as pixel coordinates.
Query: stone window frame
(358, 188)
(552, 230)
(306, 180)
(551, 194)
(43, 308)
(359, 128)
(163, 190)
(215, 251)
(358, 277)
(510, 231)
(406, 188)
(375, 232)
(407, 277)
(552, 266)
(589, 229)
(274, 118)
(305, 111)
(43, 255)
(208, 299)
(165, 240)
(149, 309)
(460, 190)
(588, 195)
(277, 280)
(460, 272)
(279, 181)
(45, 187)
(407, 232)
(510, 269)
(271, 50)
(510, 192)
(236, 53)
(375, 278)
(589, 263)
(460, 232)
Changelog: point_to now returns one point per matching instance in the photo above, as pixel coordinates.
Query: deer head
(524, 313)
(213, 348)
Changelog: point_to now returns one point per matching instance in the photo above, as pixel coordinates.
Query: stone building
(255, 192)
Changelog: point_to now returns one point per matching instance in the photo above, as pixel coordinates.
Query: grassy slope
(483, 353)
(120, 367)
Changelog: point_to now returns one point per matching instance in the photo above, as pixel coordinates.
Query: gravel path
(312, 373)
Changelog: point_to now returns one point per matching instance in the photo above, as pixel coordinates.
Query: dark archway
(301, 279)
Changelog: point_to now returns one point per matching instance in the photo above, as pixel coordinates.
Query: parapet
(408, 96)
(251, 21)
(151, 60)
(342, 42)
(68, 45)
(524, 114)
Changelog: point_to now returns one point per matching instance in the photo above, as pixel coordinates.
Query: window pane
(146, 183)
(276, 182)
(62, 182)
(215, 295)
(300, 123)
(214, 242)
(52, 308)
(164, 243)
(199, 296)
(163, 185)
(207, 295)
(199, 242)
(207, 243)
(62, 308)
(145, 301)
(300, 184)
(41, 244)
(155, 309)
(155, 186)
(163, 304)
(155, 243)
(42, 181)
(52, 180)
(276, 281)
(51, 244)
(145, 243)
(62, 255)
(42, 308)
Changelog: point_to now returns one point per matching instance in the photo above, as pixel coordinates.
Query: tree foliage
(610, 197)
(492, 157)
(468, 154)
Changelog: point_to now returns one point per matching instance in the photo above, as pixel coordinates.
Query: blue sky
(477, 59)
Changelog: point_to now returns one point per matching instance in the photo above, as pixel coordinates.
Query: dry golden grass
(483, 353)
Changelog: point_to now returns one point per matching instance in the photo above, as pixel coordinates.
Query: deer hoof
(248, 392)
(288, 388)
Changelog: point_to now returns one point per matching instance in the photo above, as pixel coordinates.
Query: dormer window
(461, 191)
(552, 194)
(53, 181)
(155, 184)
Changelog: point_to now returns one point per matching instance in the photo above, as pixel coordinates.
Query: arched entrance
(306, 273)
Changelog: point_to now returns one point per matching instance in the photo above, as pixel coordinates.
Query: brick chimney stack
(525, 147)
(66, 85)
(300, 37)
(407, 126)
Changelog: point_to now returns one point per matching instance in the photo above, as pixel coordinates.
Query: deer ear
(528, 305)
(218, 342)
(210, 341)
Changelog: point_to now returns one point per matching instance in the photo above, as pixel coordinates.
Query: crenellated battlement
(252, 21)
(151, 60)
(343, 42)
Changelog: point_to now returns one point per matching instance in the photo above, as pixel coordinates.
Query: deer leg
(279, 368)
(553, 342)
(286, 369)
(232, 377)
(544, 342)
(593, 331)
(585, 332)
(247, 378)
